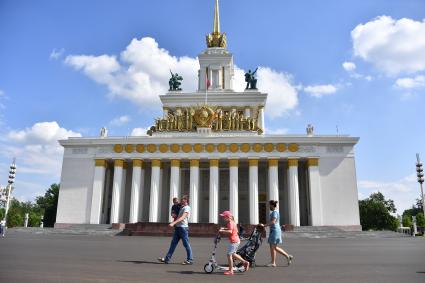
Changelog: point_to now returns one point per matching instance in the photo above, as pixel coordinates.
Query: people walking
(275, 236)
(181, 232)
(2, 227)
(231, 230)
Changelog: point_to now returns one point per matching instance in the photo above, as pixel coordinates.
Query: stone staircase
(319, 232)
(73, 229)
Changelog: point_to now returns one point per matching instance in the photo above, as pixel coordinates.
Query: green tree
(420, 220)
(375, 213)
(407, 221)
(49, 204)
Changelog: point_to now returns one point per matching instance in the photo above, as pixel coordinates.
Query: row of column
(117, 205)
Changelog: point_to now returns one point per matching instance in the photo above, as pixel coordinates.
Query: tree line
(43, 208)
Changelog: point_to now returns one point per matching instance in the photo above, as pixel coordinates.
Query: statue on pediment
(175, 82)
(251, 81)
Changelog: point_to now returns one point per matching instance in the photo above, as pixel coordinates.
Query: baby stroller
(248, 251)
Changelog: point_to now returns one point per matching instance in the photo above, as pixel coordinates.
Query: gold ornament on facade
(129, 148)
(292, 162)
(210, 148)
(175, 148)
(152, 148)
(204, 117)
(234, 147)
(313, 162)
(118, 148)
(187, 148)
(222, 147)
(197, 148)
(175, 163)
(156, 163)
(293, 147)
(163, 148)
(281, 147)
(214, 162)
(100, 163)
(233, 162)
(140, 148)
(257, 147)
(273, 162)
(194, 163)
(137, 163)
(245, 147)
(119, 163)
(268, 147)
(253, 162)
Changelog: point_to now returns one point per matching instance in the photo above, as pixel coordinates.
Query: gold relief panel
(118, 148)
(100, 163)
(187, 148)
(156, 163)
(257, 147)
(281, 147)
(210, 147)
(293, 147)
(245, 147)
(233, 162)
(222, 147)
(253, 162)
(214, 162)
(313, 162)
(197, 148)
(152, 148)
(234, 147)
(292, 162)
(140, 148)
(129, 148)
(175, 163)
(163, 148)
(269, 147)
(175, 148)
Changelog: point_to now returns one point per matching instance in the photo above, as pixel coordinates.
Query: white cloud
(141, 73)
(281, 131)
(37, 149)
(349, 66)
(404, 192)
(56, 54)
(393, 46)
(139, 132)
(120, 121)
(320, 90)
(410, 83)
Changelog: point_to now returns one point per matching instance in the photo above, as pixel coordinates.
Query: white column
(97, 196)
(174, 183)
(135, 191)
(273, 180)
(253, 191)
(214, 188)
(154, 199)
(142, 193)
(233, 188)
(123, 192)
(294, 199)
(116, 190)
(315, 192)
(261, 123)
(194, 190)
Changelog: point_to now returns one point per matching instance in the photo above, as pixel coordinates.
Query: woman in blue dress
(275, 236)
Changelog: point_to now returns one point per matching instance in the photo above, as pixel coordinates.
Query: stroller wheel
(208, 268)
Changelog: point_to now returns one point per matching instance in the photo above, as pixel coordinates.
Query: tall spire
(216, 38)
(216, 29)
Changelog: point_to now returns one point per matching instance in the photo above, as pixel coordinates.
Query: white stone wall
(339, 191)
(76, 188)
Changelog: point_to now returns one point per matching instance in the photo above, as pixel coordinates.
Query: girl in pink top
(232, 231)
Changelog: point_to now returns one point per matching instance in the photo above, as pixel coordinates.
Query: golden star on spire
(216, 38)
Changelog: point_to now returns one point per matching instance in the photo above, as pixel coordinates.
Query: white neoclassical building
(211, 145)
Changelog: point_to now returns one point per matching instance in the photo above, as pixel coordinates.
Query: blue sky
(63, 64)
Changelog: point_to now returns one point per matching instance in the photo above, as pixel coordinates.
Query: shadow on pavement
(142, 262)
(190, 272)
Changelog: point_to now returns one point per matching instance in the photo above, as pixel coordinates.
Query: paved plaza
(29, 257)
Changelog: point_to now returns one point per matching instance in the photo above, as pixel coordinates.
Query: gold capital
(292, 162)
(233, 162)
(253, 162)
(313, 162)
(156, 163)
(194, 163)
(273, 162)
(137, 163)
(119, 163)
(175, 163)
(214, 162)
(100, 163)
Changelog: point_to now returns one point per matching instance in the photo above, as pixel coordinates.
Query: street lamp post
(12, 173)
(420, 174)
